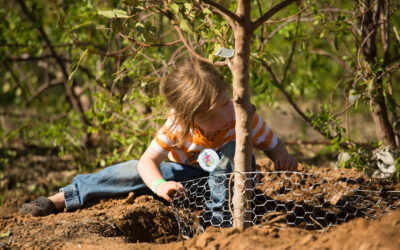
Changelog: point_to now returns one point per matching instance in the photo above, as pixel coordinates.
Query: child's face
(220, 118)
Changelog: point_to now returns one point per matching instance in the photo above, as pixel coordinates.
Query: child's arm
(149, 171)
(282, 159)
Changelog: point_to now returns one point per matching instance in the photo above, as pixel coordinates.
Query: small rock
(385, 162)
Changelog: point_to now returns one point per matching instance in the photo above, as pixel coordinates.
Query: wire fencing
(312, 201)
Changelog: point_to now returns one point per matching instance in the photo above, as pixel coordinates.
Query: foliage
(105, 48)
(396, 173)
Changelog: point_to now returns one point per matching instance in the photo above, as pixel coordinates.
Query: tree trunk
(369, 26)
(243, 111)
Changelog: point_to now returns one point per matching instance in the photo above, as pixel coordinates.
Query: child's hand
(167, 189)
(285, 162)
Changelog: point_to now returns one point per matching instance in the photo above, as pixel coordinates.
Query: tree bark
(243, 112)
(385, 38)
(369, 26)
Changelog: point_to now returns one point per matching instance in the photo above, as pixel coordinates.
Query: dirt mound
(141, 219)
(120, 224)
(146, 222)
(360, 233)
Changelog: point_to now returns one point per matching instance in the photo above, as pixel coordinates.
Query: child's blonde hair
(192, 89)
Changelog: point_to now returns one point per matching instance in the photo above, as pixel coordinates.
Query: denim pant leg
(217, 210)
(121, 179)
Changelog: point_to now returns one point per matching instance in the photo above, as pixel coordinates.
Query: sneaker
(42, 206)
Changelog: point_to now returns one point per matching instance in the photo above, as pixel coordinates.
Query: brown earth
(120, 223)
(148, 223)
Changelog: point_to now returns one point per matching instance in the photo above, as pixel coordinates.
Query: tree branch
(292, 51)
(213, 28)
(30, 114)
(385, 24)
(229, 16)
(337, 59)
(43, 88)
(317, 142)
(148, 45)
(30, 46)
(71, 95)
(116, 54)
(14, 76)
(30, 58)
(289, 98)
(270, 13)
(184, 41)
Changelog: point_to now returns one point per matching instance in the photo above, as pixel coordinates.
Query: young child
(201, 116)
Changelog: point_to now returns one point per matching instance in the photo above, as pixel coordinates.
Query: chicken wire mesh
(312, 201)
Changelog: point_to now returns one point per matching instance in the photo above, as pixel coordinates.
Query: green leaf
(337, 41)
(174, 7)
(77, 66)
(102, 27)
(188, 6)
(140, 27)
(211, 57)
(102, 163)
(303, 45)
(218, 32)
(5, 234)
(117, 26)
(115, 13)
(80, 25)
(128, 150)
(207, 11)
(186, 26)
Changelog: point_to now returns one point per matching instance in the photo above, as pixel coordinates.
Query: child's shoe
(42, 206)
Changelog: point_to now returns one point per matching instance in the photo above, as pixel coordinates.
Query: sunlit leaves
(323, 51)
(76, 66)
(186, 26)
(115, 13)
(174, 7)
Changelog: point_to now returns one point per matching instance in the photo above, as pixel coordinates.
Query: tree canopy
(84, 76)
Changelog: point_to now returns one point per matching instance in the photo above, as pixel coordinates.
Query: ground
(132, 222)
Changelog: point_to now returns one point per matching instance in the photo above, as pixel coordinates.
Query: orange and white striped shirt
(263, 138)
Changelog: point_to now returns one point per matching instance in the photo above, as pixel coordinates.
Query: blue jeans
(121, 179)
(124, 177)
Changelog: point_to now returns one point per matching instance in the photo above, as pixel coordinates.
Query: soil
(366, 219)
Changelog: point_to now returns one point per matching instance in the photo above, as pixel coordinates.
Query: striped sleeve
(263, 137)
(165, 139)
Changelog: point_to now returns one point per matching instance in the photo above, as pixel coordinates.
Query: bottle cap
(208, 159)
